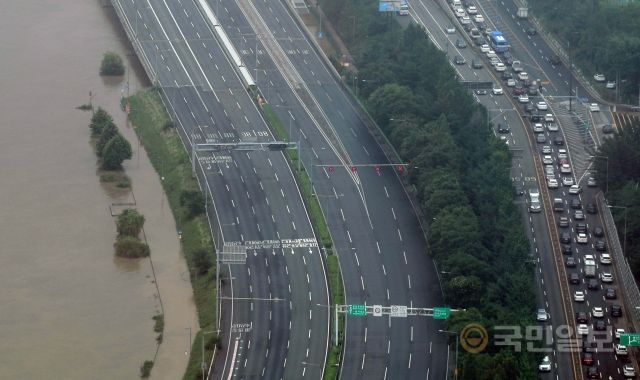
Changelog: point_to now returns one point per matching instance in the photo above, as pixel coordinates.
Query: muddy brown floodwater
(68, 308)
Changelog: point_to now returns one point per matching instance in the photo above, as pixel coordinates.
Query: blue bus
(498, 42)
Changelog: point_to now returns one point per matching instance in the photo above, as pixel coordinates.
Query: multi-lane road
(281, 293)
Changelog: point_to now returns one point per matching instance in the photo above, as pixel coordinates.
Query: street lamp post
(203, 365)
(624, 242)
(455, 333)
(607, 173)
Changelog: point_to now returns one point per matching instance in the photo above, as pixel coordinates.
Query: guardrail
(628, 285)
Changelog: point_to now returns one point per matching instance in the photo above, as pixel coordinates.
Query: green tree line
(601, 36)
(619, 172)
(460, 171)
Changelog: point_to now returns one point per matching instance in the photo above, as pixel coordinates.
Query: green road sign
(357, 310)
(630, 340)
(441, 312)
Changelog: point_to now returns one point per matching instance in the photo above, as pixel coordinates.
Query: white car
(578, 296)
(618, 332)
(605, 258)
(545, 365)
(599, 77)
(495, 61)
(524, 98)
(597, 312)
(491, 54)
(566, 169)
(478, 18)
(460, 12)
(583, 329)
(594, 107)
(629, 370)
(538, 128)
(485, 48)
(472, 10)
(552, 183)
(549, 118)
(500, 67)
(451, 29)
(562, 153)
(582, 238)
(497, 91)
(606, 277)
(542, 106)
(511, 82)
(567, 181)
(542, 315)
(574, 189)
(465, 20)
(621, 350)
(547, 159)
(611, 85)
(523, 75)
(552, 127)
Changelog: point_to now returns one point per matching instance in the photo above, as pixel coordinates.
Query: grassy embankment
(167, 154)
(319, 225)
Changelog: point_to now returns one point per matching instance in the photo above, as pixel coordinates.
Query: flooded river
(68, 308)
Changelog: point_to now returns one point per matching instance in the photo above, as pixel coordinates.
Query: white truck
(589, 266)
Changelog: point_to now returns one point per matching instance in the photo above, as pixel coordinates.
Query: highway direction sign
(441, 312)
(398, 311)
(357, 310)
(630, 340)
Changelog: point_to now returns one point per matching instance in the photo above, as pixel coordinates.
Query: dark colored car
(476, 64)
(600, 325)
(574, 278)
(458, 60)
(598, 231)
(589, 346)
(592, 373)
(535, 117)
(506, 75)
(519, 190)
(581, 317)
(529, 108)
(558, 140)
(587, 358)
(616, 311)
(600, 246)
(519, 90)
(563, 221)
(576, 204)
(610, 294)
(461, 44)
(607, 129)
(565, 238)
(581, 227)
(571, 262)
(593, 284)
(555, 60)
(566, 249)
(503, 128)
(591, 208)
(532, 31)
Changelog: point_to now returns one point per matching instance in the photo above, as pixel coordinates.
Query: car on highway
(578, 215)
(599, 77)
(472, 10)
(552, 127)
(574, 278)
(610, 293)
(563, 221)
(578, 296)
(503, 128)
(450, 29)
(506, 75)
(600, 325)
(593, 284)
(591, 182)
(541, 138)
(542, 315)
(538, 128)
(628, 370)
(594, 107)
(485, 48)
(610, 85)
(548, 118)
(546, 149)
(582, 238)
(621, 350)
(607, 128)
(542, 106)
(592, 373)
(534, 201)
(618, 332)
(600, 246)
(459, 60)
(460, 12)
(500, 67)
(528, 107)
(547, 159)
(583, 329)
(574, 189)
(497, 91)
(481, 92)
(606, 277)
(581, 317)
(545, 365)
(581, 228)
(566, 169)
(522, 75)
(531, 31)
(524, 98)
(598, 231)
(587, 359)
(567, 181)
(558, 140)
(597, 312)
(589, 346)
(465, 20)
(478, 19)
(566, 249)
(511, 82)
(562, 154)
(494, 61)
(476, 64)
(570, 262)
(605, 259)
(616, 311)
(565, 238)
(460, 43)
(519, 90)
(591, 208)
(519, 190)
